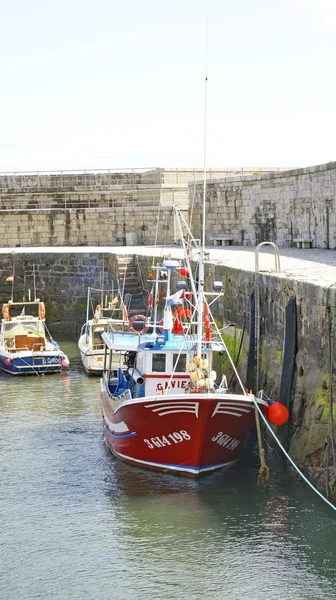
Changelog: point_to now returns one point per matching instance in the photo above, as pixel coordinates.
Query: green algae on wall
(322, 399)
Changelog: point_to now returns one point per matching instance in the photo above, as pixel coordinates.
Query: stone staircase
(128, 273)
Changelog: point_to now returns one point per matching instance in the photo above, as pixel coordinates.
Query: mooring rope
(264, 469)
(289, 458)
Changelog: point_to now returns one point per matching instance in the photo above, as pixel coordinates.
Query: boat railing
(117, 326)
(124, 330)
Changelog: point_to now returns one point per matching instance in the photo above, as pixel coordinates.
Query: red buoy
(277, 413)
(184, 272)
(8, 361)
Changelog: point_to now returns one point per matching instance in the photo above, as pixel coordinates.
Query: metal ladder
(257, 305)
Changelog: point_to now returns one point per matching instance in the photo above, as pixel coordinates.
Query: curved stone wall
(279, 207)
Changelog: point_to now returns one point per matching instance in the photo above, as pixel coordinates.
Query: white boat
(26, 346)
(90, 343)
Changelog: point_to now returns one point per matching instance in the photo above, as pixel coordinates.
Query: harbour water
(77, 524)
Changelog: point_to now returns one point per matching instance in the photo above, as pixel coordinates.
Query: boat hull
(25, 363)
(189, 434)
(92, 361)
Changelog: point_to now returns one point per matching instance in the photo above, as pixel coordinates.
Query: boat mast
(155, 299)
(202, 252)
(87, 315)
(13, 276)
(102, 284)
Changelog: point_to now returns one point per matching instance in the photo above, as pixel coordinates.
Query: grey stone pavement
(311, 265)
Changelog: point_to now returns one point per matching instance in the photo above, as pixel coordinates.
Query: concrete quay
(315, 266)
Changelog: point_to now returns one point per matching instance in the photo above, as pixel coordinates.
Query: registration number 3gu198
(160, 441)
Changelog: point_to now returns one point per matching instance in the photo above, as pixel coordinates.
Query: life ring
(138, 318)
(5, 311)
(41, 310)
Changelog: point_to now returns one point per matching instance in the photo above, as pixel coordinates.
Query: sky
(116, 84)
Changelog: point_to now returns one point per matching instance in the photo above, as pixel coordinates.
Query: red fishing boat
(165, 407)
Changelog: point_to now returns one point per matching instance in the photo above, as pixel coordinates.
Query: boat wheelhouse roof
(24, 303)
(128, 341)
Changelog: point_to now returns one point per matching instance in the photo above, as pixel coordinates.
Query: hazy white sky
(117, 83)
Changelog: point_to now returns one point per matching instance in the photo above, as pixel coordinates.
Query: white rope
(289, 458)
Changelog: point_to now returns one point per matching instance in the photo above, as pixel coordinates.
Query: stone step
(128, 275)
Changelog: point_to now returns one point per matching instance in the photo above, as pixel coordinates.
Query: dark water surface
(77, 524)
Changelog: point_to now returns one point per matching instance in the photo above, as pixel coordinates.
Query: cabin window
(97, 338)
(159, 363)
(179, 363)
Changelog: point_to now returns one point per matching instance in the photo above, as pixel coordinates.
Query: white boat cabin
(23, 332)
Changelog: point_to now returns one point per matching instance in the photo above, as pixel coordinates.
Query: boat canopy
(123, 341)
(129, 341)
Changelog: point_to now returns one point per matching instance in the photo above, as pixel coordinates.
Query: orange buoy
(277, 413)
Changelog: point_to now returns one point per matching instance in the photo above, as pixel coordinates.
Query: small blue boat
(25, 345)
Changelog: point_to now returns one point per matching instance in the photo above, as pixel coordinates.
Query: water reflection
(76, 523)
(242, 538)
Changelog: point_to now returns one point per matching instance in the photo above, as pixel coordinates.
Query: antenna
(201, 261)
(34, 282)
(205, 125)
(102, 283)
(13, 281)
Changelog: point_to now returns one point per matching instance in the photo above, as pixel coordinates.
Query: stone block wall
(278, 207)
(86, 227)
(61, 281)
(82, 180)
(94, 208)
(309, 426)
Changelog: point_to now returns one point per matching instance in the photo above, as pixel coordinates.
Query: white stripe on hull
(173, 468)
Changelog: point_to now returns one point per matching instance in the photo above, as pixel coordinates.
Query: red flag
(150, 302)
(207, 335)
(177, 327)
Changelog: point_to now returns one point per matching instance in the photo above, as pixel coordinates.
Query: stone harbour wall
(62, 280)
(308, 430)
(278, 207)
(87, 227)
(101, 208)
(95, 208)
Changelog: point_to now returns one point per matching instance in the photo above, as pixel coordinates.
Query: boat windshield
(32, 326)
